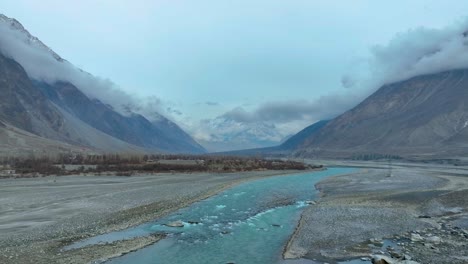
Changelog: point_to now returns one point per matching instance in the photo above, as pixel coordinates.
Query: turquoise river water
(249, 223)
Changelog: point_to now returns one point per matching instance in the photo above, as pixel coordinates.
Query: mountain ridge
(424, 115)
(59, 111)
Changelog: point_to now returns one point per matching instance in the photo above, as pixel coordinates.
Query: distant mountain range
(230, 134)
(60, 117)
(288, 146)
(423, 117)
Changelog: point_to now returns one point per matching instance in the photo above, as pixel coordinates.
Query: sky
(260, 64)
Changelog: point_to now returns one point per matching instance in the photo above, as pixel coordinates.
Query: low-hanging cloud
(415, 52)
(210, 103)
(325, 107)
(42, 64)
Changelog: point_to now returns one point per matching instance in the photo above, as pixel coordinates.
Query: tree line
(125, 164)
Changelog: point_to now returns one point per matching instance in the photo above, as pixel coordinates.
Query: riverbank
(420, 212)
(41, 215)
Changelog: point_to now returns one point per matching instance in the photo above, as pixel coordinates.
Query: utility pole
(389, 168)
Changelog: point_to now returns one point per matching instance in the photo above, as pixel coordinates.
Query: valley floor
(39, 216)
(420, 211)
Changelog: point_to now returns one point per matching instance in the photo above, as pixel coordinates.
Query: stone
(428, 245)
(416, 237)
(381, 259)
(434, 239)
(395, 255)
(376, 241)
(424, 216)
(175, 224)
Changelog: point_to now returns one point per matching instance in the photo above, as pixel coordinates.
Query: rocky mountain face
(287, 147)
(22, 105)
(60, 112)
(135, 129)
(297, 140)
(423, 116)
(231, 134)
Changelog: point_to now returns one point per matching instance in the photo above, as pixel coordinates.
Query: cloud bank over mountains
(415, 52)
(42, 64)
(288, 111)
(411, 53)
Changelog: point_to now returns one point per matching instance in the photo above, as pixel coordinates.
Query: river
(249, 223)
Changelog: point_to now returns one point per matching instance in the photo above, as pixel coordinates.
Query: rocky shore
(413, 215)
(40, 216)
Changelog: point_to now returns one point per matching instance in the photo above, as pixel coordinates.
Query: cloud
(42, 64)
(325, 107)
(414, 52)
(266, 125)
(221, 134)
(172, 110)
(209, 103)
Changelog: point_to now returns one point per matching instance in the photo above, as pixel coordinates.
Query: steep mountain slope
(298, 139)
(135, 129)
(24, 106)
(15, 142)
(425, 115)
(58, 110)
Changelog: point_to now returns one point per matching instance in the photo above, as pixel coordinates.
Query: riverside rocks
(175, 224)
(416, 238)
(380, 259)
(376, 241)
(447, 244)
(422, 214)
(434, 239)
(82, 211)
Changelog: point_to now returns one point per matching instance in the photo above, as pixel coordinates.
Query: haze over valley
(247, 132)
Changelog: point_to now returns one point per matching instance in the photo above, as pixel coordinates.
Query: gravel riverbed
(357, 213)
(39, 216)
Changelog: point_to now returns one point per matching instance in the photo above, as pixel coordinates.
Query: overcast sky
(209, 58)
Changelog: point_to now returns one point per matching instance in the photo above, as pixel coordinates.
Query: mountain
(57, 111)
(425, 116)
(231, 135)
(297, 140)
(135, 129)
(15, 142)
(287, 147)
